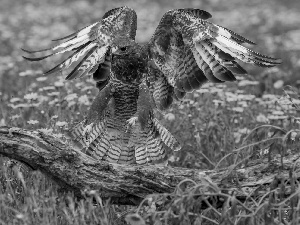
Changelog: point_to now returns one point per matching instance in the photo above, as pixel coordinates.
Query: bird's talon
(131, 122)
(88, 129)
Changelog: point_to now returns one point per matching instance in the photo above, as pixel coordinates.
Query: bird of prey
(134, 80)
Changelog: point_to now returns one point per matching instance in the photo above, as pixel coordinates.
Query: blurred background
(206, 127)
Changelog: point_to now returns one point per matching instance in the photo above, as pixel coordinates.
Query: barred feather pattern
(185, 51)
(189, 51)
(111, 137)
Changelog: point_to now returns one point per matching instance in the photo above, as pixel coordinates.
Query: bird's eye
(123, 49)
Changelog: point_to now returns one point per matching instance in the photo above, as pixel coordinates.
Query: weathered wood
(127, 184)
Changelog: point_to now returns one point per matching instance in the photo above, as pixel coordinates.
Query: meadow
(211, 123)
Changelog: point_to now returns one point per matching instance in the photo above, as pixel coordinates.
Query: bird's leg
(86, 131)
(131, 122)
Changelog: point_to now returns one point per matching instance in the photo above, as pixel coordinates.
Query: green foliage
(220, 126)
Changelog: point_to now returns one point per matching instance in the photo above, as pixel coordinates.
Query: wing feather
(201, 51)
(90, 44)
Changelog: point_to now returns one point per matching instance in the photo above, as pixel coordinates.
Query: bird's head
(128, 62)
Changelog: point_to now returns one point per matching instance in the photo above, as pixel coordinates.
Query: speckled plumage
(185, 51)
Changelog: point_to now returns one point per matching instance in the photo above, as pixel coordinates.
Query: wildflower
(278, 113)
(296, 101)
(20, 216)
(61, 123)
(276, 117)
(230, 97)
(58, 84)
(79, 84)
(243, 104)
(202, 90)
(25, 105)
(244, 83)
(270, 96)
(43, 99)
(15, 117)
(87, 88)
(218, 102)
(32, 122)
(293, 135)
(170, 116)
(71, 103)
(243, 130)
(26, 73)
(216, 90)
(238, 109)
(246, 97)
(47, 88)
(54, 101)
(41, 78)
(2, 123)
(196, 95)
(55, 93)
(15, 100)
(284, 101)
(84, 100)
(261, 118)
(71, 97)
(278, 84)
(237, 136)
(45, 130)
(31, 96)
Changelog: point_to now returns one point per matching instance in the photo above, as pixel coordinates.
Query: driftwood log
(127, 184)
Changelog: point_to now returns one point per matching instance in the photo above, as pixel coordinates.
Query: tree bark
(129, 184)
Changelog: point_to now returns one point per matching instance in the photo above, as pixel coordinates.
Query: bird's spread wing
(187, 51)
(91, 45)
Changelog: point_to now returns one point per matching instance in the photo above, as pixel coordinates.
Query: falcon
(134, 80)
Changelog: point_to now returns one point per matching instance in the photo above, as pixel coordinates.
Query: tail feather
(99, 147)
(76, 132)
(127, 155)
(105, 141)
(155, 149)
(141, 154)
(166, 136)
(113, 155)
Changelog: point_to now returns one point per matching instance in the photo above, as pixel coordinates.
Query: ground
(210, 123)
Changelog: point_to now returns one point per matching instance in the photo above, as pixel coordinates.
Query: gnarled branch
(126, 184)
